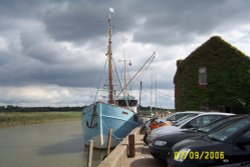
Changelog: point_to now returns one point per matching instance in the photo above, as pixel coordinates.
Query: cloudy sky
(52, 52)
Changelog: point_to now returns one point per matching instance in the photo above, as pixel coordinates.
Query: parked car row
(202, 139)
(194, 121)
(167, 121)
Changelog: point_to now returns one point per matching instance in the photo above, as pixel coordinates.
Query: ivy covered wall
(228, 79)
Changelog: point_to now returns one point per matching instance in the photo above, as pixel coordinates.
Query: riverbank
(22, 118)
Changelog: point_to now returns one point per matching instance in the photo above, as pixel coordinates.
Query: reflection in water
(73, 145)
(52, 144)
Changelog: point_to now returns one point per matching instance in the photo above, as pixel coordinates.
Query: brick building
(215, 76)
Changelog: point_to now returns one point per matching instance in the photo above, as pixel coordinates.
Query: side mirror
(189, 125)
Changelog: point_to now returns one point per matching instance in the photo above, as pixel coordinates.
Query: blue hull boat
(119, 113)
(99, 117)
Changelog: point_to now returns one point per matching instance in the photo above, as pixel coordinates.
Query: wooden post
(131, 144)
(109, 141)
(90, 154)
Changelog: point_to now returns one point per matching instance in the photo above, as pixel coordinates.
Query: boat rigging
(118, 114)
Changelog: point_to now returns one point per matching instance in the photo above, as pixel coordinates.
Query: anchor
(92, 124)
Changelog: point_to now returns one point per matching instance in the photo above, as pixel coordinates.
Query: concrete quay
(119, 156)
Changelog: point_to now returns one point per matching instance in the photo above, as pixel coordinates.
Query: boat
(119, 113)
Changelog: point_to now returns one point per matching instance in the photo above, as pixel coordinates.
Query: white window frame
(203, 75)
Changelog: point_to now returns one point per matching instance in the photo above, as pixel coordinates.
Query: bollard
(131, 145)
(109, 141)
(90, 154)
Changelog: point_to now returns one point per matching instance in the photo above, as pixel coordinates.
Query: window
(176, 117)
(126, 102)
(202, 76)
(223, 108)
(227, 131)
(204, 120)
(247, 134)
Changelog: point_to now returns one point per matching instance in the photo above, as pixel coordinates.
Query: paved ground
(142, 157)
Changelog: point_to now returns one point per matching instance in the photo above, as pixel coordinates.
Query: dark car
(161, 146)
(195, 122)
(228, 145)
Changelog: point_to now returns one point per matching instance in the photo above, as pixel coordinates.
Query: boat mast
(109, 54)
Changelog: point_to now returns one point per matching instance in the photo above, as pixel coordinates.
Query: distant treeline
(11, 108)
(146, 111)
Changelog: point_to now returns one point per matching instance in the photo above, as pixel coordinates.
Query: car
(228, 145)
(171, 117)
(161, 146)
(167, 121)
(177, 116)
(195, 122)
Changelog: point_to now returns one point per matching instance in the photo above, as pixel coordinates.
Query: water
(40, 145)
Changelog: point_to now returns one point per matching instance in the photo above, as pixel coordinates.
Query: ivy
(228, 75)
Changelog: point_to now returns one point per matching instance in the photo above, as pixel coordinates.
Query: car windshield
(216, 123)
(176, 116)
(170, 117)
(184, 119)
(226, 132)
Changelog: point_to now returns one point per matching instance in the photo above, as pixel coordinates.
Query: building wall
(228, 79)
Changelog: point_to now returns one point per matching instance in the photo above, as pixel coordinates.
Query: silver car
(200, 120)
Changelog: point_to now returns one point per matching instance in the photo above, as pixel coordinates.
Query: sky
(52, 52)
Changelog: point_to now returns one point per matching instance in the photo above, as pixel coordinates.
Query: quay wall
(119, 155)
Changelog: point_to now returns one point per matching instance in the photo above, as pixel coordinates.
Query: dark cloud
(4, 58)
(40, 60)
(23, 9)
(172, 22)
(33, 73)
(179, 21)
(63, 42)
(35, 46)
(84, 20)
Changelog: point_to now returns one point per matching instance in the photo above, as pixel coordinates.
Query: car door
(241, 148)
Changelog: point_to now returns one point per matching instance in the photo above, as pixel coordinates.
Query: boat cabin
(128, 102)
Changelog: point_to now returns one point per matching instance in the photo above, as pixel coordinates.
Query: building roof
(214, 46)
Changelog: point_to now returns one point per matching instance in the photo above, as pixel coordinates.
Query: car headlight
(160, 143)
(181, 155)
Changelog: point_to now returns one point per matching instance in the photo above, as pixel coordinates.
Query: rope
(101, 82)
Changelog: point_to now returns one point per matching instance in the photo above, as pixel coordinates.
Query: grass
(20, 118)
